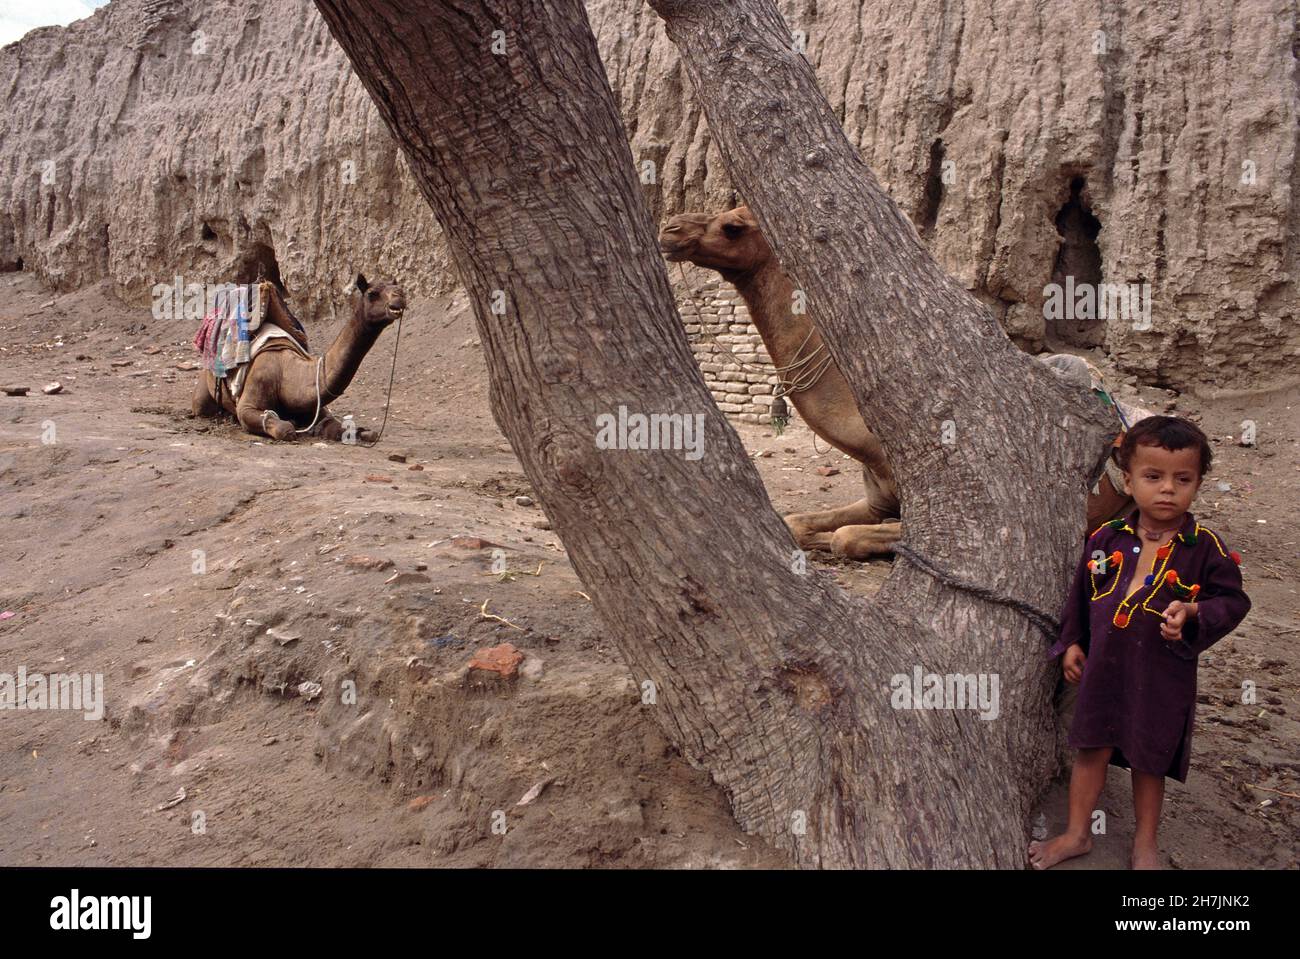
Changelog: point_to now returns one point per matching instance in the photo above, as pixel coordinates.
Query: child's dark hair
(1169, 432)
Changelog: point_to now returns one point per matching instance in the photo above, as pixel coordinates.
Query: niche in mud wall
(1071, 319)
(932, 199)
(258, 262)
(10, 261)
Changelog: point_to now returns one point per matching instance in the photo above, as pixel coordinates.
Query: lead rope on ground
(1044, 620)
(391, 373)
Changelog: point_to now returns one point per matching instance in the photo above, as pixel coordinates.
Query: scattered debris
(309, 690)
(533, 793)
(523, 501)
(16, 390)
(828, 470)
(49, 389)
(486, 615)
(503, 659)
(405, 579)
(397, 457)
(378, 478)
(1272, 790)
(175, 800)
(419, 803)
(283, 636)
(473, 542)
(368, 562)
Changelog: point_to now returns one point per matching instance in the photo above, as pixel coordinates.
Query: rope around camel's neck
(801, 374)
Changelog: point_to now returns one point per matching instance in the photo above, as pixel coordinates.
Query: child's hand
(1073, 662)
(1176, 614)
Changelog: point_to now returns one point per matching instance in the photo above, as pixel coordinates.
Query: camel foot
(866, 542)
(267, 423)
(1047, 853)
(282, 430)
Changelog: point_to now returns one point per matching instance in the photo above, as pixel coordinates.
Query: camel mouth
(395, 312)
(672, 253)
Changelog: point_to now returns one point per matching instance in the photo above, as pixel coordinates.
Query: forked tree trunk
(775, 681)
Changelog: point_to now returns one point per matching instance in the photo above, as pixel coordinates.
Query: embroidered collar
(1186, 532)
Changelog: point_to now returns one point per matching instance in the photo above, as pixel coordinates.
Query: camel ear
(361, 284)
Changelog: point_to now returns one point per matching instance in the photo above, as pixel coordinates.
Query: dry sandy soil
(100, 530)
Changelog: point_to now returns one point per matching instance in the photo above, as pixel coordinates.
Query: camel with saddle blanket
(256, 364)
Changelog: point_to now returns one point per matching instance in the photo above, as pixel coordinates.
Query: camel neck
(769, 294)
(343, 358)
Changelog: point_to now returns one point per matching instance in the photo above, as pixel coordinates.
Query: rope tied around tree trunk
(1044, 620)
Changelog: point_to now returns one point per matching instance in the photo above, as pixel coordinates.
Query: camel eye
(373, 295)
(733, 230)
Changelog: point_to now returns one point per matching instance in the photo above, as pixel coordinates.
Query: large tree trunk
(777, 682)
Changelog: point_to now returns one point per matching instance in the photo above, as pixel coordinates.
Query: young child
(1152, 592)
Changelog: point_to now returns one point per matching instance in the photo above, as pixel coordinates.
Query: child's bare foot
(1046, 854)
(1146, 856)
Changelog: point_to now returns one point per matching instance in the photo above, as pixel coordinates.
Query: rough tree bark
(776, 681)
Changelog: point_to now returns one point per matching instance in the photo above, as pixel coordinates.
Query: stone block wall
(729, 350)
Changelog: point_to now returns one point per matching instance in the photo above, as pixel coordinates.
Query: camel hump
(276, 311)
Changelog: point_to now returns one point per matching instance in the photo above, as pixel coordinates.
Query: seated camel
(731, 243)
(284, 391)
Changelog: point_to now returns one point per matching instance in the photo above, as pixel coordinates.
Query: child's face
(1163, 482)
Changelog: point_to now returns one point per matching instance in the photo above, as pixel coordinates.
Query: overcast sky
(19, 16)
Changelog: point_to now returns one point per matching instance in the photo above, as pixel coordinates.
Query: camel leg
(850, 530)
(817, 530)
(203, 403)
(864, 542)
(252, 419)
(331, 428)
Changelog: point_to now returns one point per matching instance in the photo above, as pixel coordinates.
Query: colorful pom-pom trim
(1163, 551)
(1121, 620)
(1116, 556)
(1182, 590)
(1235, 557)
(1149, 580)
(1117, 524)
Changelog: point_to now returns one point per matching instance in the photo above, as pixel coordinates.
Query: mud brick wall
(741, 380)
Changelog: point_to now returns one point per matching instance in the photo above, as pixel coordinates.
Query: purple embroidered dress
(1138, 692)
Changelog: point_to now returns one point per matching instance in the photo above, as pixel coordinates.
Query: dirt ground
(330, 564)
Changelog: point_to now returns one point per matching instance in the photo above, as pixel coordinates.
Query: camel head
(377, 304)
(729, 242)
